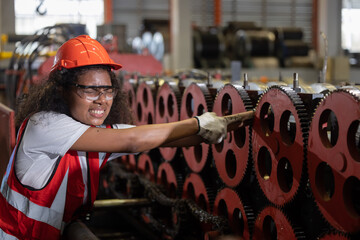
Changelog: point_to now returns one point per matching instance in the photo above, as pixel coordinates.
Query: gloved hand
(212, 128)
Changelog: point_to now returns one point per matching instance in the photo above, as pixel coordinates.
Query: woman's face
(90, 112)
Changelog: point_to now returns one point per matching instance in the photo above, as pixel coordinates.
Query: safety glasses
(93, 93)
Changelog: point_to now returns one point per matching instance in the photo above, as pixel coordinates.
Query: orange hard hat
(82, 51)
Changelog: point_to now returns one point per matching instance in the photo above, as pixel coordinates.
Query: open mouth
(97, 113)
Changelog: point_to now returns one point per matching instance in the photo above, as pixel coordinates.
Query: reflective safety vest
(27, 213)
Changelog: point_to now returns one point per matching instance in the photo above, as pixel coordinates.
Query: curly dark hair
(49, 96)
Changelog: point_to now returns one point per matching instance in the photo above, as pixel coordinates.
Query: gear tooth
(259, 98)
(320, 103)
(211, 196)
(208, 98)
(250, 214)
(304, 126)
(354, 92)
(334, 235)
(298, 230)
(245, 97)
(219, 90)
(175, 88)
(222, 185)
(180, 181)
(280, 219)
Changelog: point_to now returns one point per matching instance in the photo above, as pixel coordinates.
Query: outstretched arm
(136, 139)
(207, 127)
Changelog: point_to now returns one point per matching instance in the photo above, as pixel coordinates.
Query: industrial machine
(293, 173)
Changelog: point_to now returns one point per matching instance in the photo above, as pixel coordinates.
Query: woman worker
(69, 130)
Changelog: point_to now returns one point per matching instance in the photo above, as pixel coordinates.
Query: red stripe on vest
(76, 187)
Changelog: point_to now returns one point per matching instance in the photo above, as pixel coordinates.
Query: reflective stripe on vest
(84, 170)
(42, 213)
(34, 211)
(5, 236)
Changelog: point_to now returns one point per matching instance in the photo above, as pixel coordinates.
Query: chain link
(181, 206)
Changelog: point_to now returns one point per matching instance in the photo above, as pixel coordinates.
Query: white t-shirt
(47, 137)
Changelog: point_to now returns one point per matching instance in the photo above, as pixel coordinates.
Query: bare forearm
(168, 134)
(185, 142)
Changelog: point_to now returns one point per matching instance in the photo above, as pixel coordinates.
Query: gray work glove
(212, 129)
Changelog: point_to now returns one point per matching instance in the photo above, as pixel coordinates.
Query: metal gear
(167, 177)
(129, 88)
(194, 188)
(146, 168)
(279, 141)
(145, 102)
(240, 217)
(272, 223)
(200, 196)
(231, 156)
(168, 102)
(129, 161)
(334, 158)
(195, 101)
